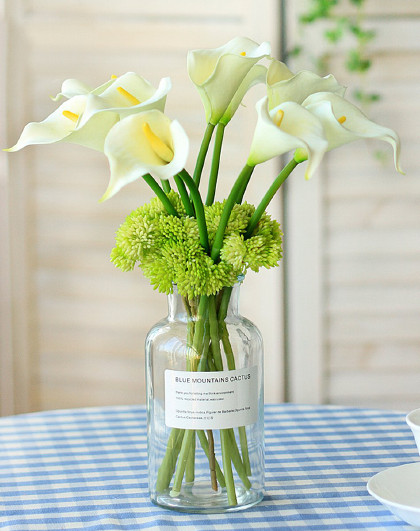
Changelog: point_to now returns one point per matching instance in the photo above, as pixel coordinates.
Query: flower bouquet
(204, 361)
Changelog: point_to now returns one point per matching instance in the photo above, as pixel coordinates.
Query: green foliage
(168, 250)
(357, 60)
(318, 9)
(366, 98)
(357, 63)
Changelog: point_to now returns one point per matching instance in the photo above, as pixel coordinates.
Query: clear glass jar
(205, 404)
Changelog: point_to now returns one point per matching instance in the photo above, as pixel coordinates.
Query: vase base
(200, 498)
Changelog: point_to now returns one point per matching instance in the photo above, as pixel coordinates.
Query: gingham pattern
(86, 469)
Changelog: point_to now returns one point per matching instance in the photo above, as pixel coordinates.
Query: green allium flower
(168, 250)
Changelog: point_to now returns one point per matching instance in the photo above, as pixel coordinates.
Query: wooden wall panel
(369, 242)
(78, 323)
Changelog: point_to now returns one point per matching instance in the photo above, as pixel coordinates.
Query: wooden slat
(384, 242)
(58, 395)
(352, 329)
(382, 383)
(370, 213)
(396, 270)
(159, 8)
(376, 300)
(368, 357)
(146, 37)
(84, 310)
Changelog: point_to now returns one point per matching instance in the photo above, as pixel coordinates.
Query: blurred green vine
(357, 60)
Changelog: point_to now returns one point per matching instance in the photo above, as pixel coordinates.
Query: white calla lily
(64, 125)
(218, 73)
(131, 93)
(287, 127)
(74, 87)
(283, 85)
(257, 74)
(86, 119)
(144, 143)
(343, 122)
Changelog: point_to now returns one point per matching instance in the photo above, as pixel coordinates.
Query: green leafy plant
(357, 60)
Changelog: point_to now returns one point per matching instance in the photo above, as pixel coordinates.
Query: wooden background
(355, 253)
(73, 326)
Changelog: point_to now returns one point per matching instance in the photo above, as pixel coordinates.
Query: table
(86, 469)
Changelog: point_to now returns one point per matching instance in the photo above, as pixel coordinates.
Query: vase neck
(181, 309)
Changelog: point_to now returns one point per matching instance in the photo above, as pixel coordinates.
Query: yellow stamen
(114, 76)
(159, 147)
(71, 116)
(278, 118)
(342, 119)
(243, 54)
(132, 99)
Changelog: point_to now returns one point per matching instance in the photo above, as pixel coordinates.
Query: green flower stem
(190, 466)
(214, 334)
(165, 185)
(199, 209)
(231, 367)
(161, 194)
(167, 467)
(237, 461)
(186, 447)
(244, 449)
(215, 163)
(205, 445)
(200, 344)
(256, 216)
(227, 346)
(212, 460)
(203, 357)
(241, 194)
(212, 366)
(200, 348)
(201, 334)
(179, 460)
(227, 467)
(240, 184)
(202, 154)
(224, 303)
(184, 196)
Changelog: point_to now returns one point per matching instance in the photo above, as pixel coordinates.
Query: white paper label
(211, 400)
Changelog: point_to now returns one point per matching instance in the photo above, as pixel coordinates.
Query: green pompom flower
(168, 250)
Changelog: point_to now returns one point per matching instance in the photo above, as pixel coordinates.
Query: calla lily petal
(134, 148)
(74, 87)
(287, 127)
(64, 125)
(56, 127)
(282, 85)
(278, 71)
(256, 75)
(93, 113)
(218, 73)
(131, 93)
(343, 122)
(92, 133)
(135, 95)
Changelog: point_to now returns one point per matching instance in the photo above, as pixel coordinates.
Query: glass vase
(204, 378)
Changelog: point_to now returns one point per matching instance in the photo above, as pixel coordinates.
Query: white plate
(398, 488)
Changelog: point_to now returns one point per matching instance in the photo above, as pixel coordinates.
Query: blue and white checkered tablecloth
(86, 469)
